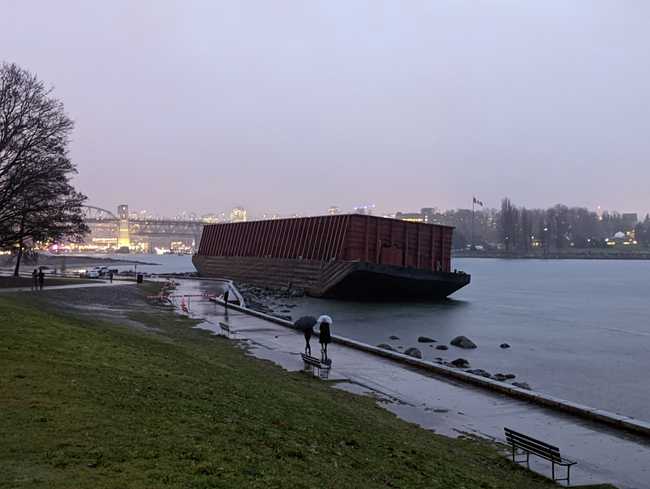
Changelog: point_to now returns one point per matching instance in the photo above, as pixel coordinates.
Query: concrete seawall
(611, 419)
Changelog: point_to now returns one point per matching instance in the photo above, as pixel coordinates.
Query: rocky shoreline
(278, 303)
(274, 302)
(461, 342)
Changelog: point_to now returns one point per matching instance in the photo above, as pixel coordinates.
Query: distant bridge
(103, 220)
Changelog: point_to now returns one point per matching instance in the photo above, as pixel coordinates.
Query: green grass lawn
(93, 404)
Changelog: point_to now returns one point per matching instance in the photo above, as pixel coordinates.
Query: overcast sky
(298, 105)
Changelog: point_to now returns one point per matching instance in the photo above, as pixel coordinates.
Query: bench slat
(529, 438)
(540, 452)
(532, 443)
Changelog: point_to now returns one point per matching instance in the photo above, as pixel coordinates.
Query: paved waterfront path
(71, 286)
(444, 406)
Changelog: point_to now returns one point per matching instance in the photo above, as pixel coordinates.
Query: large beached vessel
(345, 256)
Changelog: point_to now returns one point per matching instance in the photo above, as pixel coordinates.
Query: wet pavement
(444, 406)
(71, 286)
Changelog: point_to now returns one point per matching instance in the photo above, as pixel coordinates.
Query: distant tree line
(518, 229)
(38, 203)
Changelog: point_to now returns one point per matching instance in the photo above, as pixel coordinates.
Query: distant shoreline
(71, 261)
(569, 255)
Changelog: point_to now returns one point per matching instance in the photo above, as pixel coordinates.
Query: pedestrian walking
(110, 276)
(306, 325)
(225, 298)
(35, 280)
(41, 279)
(325, 336)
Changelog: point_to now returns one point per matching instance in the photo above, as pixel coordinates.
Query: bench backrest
(533, 445)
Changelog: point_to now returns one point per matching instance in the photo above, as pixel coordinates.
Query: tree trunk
(18, 257)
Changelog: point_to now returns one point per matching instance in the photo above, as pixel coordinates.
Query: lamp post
(474, 202)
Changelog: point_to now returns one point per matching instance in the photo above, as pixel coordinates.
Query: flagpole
(471, 245)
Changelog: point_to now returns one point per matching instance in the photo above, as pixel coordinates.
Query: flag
(476, 201)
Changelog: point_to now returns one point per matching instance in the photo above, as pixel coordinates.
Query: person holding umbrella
(325, 337)
(306, 325)
(35, 280)
(41, 278)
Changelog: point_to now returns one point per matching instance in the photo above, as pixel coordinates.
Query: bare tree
(37, 201)
(526, 229)
(508, 224)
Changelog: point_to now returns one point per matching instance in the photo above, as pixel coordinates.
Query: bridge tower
(123, 237)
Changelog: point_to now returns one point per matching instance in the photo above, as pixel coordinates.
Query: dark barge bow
(345, 256)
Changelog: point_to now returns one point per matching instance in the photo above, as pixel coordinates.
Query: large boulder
(413, 352)
(460, 363)
(504, 345)
(425, 339)
(442, 347)
(393, 337)
(463, 342)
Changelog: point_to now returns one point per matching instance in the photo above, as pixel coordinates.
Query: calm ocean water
(155, 263)
(578, 329)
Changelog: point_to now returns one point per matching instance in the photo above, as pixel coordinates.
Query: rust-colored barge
(345, 256)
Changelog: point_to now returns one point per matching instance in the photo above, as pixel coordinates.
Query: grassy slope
(7, 282)
(98, 405)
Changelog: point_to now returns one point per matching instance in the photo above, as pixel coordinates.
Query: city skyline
(226, 214)
(201, 106)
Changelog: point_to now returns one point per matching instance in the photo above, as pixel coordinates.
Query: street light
(545, 240)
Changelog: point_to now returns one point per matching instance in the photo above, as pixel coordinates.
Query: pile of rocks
(270, 301)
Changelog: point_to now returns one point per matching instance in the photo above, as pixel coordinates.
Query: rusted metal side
(344, 237)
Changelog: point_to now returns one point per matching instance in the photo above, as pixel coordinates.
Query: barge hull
(346, 256)
(341, 280)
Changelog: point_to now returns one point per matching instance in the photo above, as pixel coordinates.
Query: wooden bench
(528, 445)
(225, 327)
(315, 363)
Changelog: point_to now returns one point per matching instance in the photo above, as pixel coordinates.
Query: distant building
(333, 210)
(410, 216)
(622, 238)
(238, 214)
(428, 214)
(630, 219)
(367, 209)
